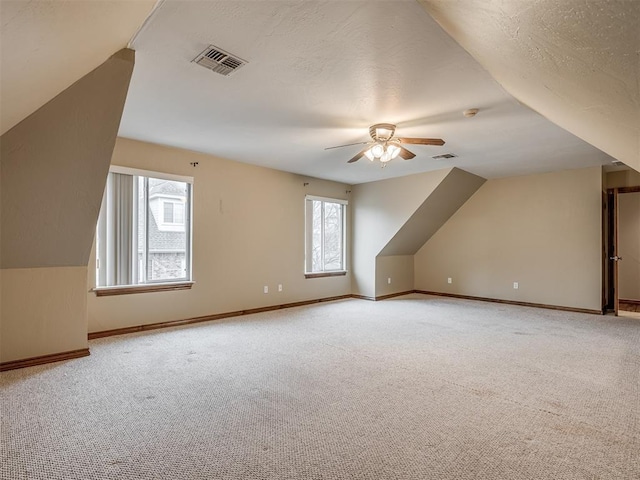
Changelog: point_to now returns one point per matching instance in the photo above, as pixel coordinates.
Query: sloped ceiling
(54, 168)
(45, 46)
(576, 62)
(450, 194)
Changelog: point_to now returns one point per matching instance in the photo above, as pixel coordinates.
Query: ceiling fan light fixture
(393, 150)
(377, 150)
(384, 146)
(386, 157)
(369, 155)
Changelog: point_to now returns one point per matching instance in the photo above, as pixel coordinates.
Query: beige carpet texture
(415, 387)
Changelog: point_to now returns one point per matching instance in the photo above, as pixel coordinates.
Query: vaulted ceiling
(575, 62)
(320, 72)
(45, 46)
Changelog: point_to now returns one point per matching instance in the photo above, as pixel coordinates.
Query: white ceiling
(576, 62)
(45, 46)
(319, 73)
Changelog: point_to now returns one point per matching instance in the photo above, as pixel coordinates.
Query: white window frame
(101, 251)
(308, 262)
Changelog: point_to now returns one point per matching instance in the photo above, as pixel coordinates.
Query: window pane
(316, 240)
(168, 212)
(142, 231)
(332, 236)
(178, 213)
(167, 245)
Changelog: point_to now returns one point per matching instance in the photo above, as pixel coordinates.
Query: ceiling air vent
(444, 155)
(219, 61)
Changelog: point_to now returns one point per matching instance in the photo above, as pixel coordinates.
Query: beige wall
(449, 195)
(392, 220)
(623, 178)
(543, 231)
(629, 245)
(248, 231)
(399, 268)
(53, 169)
(44, 311)
(380, 210)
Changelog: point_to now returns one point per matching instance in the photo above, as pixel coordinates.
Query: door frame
(611, 298)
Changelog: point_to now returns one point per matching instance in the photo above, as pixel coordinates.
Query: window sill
(147, 288)
(340, 273)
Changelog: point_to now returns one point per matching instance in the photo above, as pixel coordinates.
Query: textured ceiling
(577, 62)
(45, 46)
(321, 72)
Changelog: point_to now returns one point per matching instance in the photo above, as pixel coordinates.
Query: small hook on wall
(194, 164)
(305, 184)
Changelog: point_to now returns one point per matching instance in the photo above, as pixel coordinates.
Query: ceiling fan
(385, 147)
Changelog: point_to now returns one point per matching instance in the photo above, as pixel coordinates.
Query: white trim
(327, 199)
(149, 173)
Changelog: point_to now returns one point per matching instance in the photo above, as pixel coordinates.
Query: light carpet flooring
(416, 387)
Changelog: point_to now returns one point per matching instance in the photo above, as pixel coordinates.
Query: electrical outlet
(266, 289)
(389, 280)
(279, 287)
(516, 285)
(449, 280)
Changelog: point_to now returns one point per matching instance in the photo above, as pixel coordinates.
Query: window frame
(149, 285)
(308, 232)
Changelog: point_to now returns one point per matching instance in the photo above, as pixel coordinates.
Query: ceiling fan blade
(406, 154)
(358, 156)
(347, 145)
(421, 141)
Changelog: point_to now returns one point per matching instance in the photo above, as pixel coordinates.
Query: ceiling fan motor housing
(382, 131)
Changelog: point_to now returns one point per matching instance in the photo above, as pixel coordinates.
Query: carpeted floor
(416, 387)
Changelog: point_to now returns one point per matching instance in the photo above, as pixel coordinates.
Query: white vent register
(219, 61)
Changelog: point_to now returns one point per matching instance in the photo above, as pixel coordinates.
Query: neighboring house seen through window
(144, 229)
(325, 235)
(173, 212)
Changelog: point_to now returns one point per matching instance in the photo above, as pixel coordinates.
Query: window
(173, 212)
(325, 236)
(144, 229)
